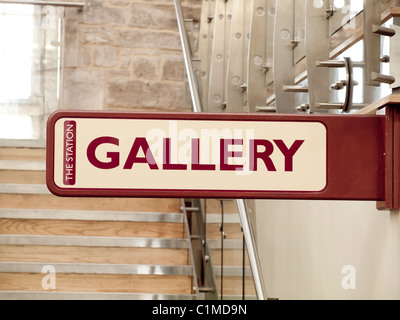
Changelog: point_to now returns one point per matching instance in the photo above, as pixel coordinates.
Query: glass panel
(345, 10)
(30, 66)
(300, 30)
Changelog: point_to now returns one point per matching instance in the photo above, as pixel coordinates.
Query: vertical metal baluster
(205, 45)
(252, 250)
(317, 49)
(222, 250)
(236, 97)
(269, 59)
(216, 99)
(256, 88)
(298, 39)
(244, 268)
(283, 55)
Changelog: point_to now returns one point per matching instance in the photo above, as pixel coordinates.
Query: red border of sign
(355, 158)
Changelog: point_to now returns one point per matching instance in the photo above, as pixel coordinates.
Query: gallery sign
(218, 156)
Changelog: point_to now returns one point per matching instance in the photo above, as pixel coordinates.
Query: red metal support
(392, 159)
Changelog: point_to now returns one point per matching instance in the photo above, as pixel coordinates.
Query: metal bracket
(260, 72)
(392, 158)
(329, 12)
(205, 45)
(349, 84)
(222, 26)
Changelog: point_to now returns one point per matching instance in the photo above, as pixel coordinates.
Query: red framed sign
(109, 154)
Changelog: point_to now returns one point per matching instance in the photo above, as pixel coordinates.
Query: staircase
(90, 248)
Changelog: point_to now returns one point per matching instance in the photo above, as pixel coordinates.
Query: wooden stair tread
(47, 201)
(22, 177)
(98, 283)
(115, 242)
(110, 255)
(91, 228)
(96, 268)
(25, 154)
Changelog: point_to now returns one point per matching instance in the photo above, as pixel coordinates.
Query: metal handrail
(241, 204)
(187, 53)
(46, 3)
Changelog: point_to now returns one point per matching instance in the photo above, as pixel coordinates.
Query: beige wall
(305, 245)
(125, 54)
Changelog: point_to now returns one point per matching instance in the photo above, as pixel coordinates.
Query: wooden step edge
(119, 242)
(82, 215)
(21, 165)
(93, 268)
(23, 143)
(37, 295)
(8, 188)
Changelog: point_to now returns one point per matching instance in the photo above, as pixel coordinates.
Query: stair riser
(231, 257)
(233, 285)
(233, 231)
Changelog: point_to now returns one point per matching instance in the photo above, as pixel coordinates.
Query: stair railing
(241, 204)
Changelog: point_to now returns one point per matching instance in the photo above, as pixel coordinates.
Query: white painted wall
(304, 245)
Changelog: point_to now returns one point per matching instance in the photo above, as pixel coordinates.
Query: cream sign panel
(156, 154)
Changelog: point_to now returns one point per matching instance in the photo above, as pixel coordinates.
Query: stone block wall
(125, 54)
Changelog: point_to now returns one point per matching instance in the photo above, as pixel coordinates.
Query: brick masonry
(125, 55)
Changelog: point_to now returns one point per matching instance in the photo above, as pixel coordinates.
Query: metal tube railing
(198, 107)
(46, 3)
(187, 53)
